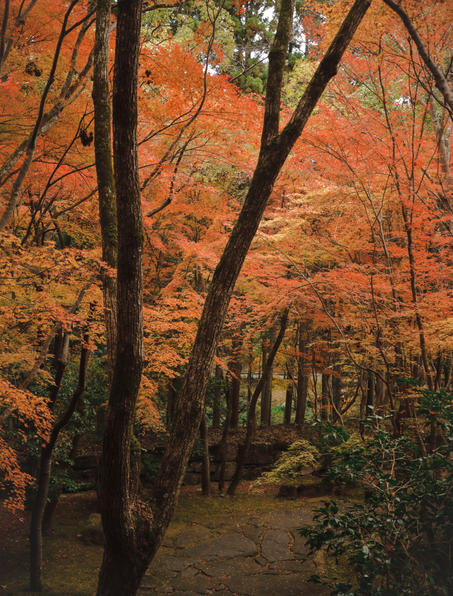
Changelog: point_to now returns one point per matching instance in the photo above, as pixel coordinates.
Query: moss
(291, 467)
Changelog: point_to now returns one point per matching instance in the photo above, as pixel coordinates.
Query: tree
(133, 539)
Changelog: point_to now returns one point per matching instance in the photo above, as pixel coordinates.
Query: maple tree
(354, 237)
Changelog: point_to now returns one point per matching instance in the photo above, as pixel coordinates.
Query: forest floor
(247, 545)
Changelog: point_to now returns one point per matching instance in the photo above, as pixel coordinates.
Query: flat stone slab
(192, 536)
(267, 584)
(172, 563)
(224, 547)
(200, 584)
(275, 546)
(223, 569)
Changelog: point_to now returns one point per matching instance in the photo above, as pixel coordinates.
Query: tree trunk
(224, 439)
(336, 398)
(104, 172)
(245, 448)
(44, 474)
(288, 403)
(236, 369)
(325, 396)
(266, 395)
(125, 554)
(205, 468)
(217, 396)
(302, 377)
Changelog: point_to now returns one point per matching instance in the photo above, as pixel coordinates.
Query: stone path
(258, 555)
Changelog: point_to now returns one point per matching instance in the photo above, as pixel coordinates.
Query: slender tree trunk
(325, 396)
(266, 395)
(44, 475)
(224, 439)
(236, 369)
(217, 397)
(302, 377)
(336, 398)
(104, 172)
(288, 403)
(245, 448)
(205, 468)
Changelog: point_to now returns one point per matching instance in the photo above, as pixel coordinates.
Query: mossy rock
(92, 533)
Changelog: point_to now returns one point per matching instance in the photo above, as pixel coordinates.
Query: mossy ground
(71, 566)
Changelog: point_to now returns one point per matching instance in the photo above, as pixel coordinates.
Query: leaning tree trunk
(275, 148)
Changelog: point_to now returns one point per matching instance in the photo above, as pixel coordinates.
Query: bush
(399, 540)
(292, 465)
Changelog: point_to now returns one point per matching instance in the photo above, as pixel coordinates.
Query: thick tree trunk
(125, 553)
(245, 448)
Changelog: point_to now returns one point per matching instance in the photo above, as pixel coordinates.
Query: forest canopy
(218, 214)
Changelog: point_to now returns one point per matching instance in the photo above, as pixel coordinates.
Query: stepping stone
(191, 536)
(224, 547)
(275, 546)
(200, 584)
(171, 563)
(222, 569)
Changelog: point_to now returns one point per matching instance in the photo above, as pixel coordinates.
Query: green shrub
(399, 540)
(292, 465)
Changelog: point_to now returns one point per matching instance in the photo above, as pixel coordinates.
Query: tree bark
(125, 554)
(104, 172)
(245, 448)
(302, 377)
(236, 369)
(325, 396)
(288, 403)
(217, 395)
(205, 467)
(266, 394)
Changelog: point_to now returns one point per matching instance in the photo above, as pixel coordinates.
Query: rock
(262, 455)
(222, 569)
(92, 533)
(275, 546)
(225, 547)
